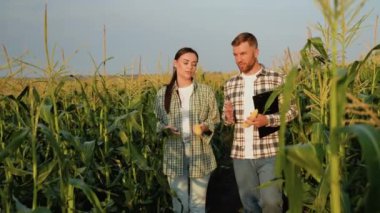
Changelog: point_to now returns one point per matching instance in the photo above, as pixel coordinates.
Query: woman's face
(186, 66)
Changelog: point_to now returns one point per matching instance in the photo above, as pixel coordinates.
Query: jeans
(249, 174)
(191, 192)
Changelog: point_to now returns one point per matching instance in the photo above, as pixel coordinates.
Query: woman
(189, 112)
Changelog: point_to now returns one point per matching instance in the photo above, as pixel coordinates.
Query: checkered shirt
(267, 146)
(203, 109)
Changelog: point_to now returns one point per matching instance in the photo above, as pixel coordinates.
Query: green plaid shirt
(267, 146)
(203, 109)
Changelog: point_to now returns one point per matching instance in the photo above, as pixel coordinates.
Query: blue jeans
(190, 192)
(191, 199)
(249, 174)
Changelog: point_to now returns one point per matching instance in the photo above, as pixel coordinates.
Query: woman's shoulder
(204, 87)
(161, 91)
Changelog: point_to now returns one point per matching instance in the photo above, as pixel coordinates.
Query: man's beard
(248, 68)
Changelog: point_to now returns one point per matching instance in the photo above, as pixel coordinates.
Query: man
(253, 156)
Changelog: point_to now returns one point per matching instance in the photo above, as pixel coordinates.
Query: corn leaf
(21, 208)
(45, 170)
(16, 139)
(135, 156)
(305, 156)
(369, 139)
(91, 196)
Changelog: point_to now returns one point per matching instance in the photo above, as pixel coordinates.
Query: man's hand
(259, 121)
(229, 112)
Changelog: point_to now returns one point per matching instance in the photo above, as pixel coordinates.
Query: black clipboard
(260, 100)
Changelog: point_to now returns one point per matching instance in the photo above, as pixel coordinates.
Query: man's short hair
(245, 37)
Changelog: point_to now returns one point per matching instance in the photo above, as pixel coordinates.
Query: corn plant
(323, 158)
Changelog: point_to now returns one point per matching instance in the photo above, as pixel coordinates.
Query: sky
(154, 30)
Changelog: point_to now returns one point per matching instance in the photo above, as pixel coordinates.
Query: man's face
(245, 56)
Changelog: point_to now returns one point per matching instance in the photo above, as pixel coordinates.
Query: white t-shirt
(184, 94)
(249, 81)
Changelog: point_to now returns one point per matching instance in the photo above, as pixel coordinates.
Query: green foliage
(73, 144)
(333, 101)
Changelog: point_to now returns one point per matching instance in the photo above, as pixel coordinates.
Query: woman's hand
(199, 129)
(172, 130)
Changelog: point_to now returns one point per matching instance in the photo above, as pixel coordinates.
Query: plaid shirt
(203, 109)
(267, 146)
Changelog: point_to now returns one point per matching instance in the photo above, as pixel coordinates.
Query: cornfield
(89, 144)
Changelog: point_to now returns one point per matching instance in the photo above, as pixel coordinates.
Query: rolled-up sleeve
(213, 117)
(159, 110)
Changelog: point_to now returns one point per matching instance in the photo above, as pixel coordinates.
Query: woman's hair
(245, 37)
(169, 87)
